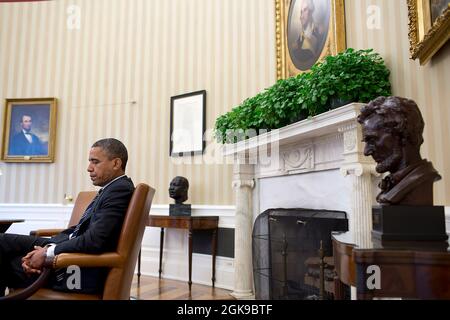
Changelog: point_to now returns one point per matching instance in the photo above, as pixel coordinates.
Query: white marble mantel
(323, 147)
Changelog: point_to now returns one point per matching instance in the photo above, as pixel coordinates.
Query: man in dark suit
(26, 143)
(23, 257)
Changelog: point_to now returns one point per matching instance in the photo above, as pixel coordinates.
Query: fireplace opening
(293, 254)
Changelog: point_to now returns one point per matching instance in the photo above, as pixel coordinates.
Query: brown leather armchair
(122, 262)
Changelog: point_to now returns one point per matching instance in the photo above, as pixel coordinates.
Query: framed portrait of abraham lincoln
(306, 32)
(29, 130)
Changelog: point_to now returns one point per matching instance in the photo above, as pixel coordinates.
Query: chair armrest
(110, 259)
(45, 232)
(32, 289)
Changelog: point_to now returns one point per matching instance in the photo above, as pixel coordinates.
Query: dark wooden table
(190, 223)
(405, 271)
(5, 224)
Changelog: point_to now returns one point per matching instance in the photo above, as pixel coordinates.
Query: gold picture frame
(428, 31)
(29, 130)
(292, 59)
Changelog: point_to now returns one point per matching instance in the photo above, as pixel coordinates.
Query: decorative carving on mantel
(328, 152)
(358, 169)
(243, 184)
(299, 158)
(350, 134)
(348, 126)
(353, 146)
(350, 141)
(322, 153)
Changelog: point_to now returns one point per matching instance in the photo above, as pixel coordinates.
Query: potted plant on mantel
(350, 76)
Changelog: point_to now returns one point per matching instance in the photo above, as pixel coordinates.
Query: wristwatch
(48, 262)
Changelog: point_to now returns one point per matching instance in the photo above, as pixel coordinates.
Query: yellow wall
(125, 50)
(150, 50)
(427, 85)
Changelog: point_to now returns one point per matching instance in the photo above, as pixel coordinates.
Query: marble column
(361, 170)
(243, 183)
(361, 202)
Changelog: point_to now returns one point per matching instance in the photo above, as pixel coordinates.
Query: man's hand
(34, 260)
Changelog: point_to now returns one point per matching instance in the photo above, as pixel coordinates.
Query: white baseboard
(175, 257)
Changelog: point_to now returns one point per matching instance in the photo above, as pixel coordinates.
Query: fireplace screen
(286, 259)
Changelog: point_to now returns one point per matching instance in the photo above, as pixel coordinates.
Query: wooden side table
(5, 224)
(405, 272)
(190, 223)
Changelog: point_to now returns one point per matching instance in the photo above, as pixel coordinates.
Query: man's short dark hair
(400, 116)
(114, 149)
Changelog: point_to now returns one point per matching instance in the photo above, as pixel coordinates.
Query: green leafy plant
(275, 107)
(351, 76)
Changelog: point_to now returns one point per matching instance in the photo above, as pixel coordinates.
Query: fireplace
(286, 259)
(316, 163)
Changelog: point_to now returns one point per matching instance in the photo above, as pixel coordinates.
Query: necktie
(86, 214)
(28, 137)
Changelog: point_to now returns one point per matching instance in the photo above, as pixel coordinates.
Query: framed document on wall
(187, 123)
